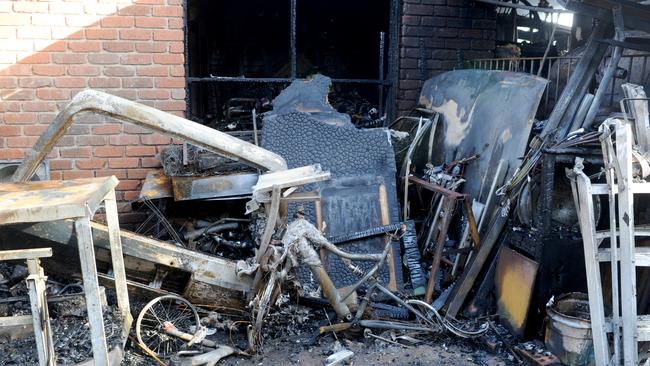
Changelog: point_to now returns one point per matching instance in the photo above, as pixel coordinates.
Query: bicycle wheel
(149, 325)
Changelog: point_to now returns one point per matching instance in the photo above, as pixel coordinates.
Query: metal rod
(393, 32)
(548, 46)
(380, 88)
(243, 79)
(608, 75)
(525, 7)
(293, 39)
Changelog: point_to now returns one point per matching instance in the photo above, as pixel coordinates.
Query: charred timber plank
(437, 188)
(448, 209)
(457, 298)
(52, 200)
(117, 259)
(91, 289)
(208, 269)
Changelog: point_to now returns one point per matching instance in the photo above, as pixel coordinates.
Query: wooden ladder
(627, 327)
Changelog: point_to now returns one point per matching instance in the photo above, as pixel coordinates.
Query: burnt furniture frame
(77, 200)
(40, 318)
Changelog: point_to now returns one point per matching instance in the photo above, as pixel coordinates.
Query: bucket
(568, 329)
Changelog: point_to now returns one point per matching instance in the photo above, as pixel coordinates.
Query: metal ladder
(627, 327)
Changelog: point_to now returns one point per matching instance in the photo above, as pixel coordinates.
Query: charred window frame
(386, 53)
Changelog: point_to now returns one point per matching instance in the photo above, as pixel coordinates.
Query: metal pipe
(292, 41)
(331, 293)
(525, 7)
(608, 75)
(255, 138)
(381, 73)
(243, 79)
(548, 47)
(151, 118)
(369, 274)
(191, 235)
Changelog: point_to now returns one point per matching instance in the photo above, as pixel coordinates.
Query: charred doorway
(241, 54)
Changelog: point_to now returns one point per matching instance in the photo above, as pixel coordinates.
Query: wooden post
(117, 259)
(40, 315)
(91, 289)
(596, 306)
(626, 228)
(447, 211)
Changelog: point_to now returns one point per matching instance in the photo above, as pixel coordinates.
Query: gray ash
(71, 337)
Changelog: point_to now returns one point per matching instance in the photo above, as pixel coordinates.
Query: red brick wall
(51, 50)
(432, 34)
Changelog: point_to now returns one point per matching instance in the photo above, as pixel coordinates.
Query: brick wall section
(432, 33)
(51, 50)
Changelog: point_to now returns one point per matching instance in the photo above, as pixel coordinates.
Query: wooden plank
(205, 268)
(91, 289)
(637, 188)
(117, 259)
(471, 223)
(290, 178)
(466, 281)
(639, 231)
(643, 328)
(15, 321)
(627, 243)
(594, 283)
(641, 255)
(611, 200)
(52, 200)
(436, 188)
(40, 316)
(447, 211)
(18, 254)
(639, 112)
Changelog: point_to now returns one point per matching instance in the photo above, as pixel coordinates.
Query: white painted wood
(40, 315)
(15, 321)
(290, 178)
(91, 289)
(638, 109)
(596, 306)
(614, 254)
(627, 243)
(18, 254)
(643, 328)
(641, 255)
(637, 188)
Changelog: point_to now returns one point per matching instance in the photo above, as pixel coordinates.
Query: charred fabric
(467, 219)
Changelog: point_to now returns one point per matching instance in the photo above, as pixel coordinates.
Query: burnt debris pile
(485, 226)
